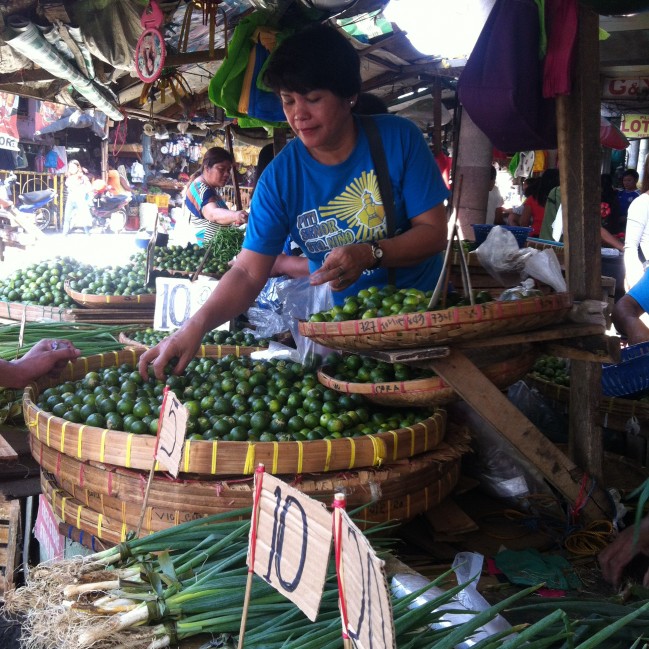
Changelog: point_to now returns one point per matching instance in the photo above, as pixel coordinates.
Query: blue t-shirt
(625, 198)
(640, 292)
(326, 206)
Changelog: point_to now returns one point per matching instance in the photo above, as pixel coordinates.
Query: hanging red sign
(151, 51)
(9, 121)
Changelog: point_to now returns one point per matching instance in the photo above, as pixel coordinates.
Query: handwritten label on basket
(171, 433)
(177, 299)
(293, 544)
(367, 597)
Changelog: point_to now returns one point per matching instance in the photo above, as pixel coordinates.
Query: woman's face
(217, 175)
(318, 118)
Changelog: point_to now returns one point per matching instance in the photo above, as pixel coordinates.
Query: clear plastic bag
(299, 301)
(501, 257)
(544, 266)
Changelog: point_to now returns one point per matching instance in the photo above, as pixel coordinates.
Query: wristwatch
(377, 253)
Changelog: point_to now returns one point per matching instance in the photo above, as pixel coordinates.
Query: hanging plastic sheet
(25, 38)
(93, 119)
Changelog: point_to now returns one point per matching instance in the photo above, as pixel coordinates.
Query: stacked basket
(95, 479)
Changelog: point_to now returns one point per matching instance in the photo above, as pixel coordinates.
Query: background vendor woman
(206, 208)
(322, 190)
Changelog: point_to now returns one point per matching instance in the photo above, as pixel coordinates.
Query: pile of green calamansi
(41, 284)
(363, 369)
(234, 399)
(179, 258)
(151, 337)
(120, 280)
(375, 302)
(553, 369)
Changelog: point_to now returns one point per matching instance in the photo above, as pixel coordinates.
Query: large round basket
(433, 390)
(219, 457)
(396, 491)
(205, 351)
(440, 327)
(145, 301)
(184, 273)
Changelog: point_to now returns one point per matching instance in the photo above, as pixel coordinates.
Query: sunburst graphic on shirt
(359, 207)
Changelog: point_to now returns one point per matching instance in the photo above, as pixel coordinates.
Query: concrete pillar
(472, 175)
(642, 156)
(632, 155)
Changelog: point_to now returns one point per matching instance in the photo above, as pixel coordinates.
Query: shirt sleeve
(635, 225)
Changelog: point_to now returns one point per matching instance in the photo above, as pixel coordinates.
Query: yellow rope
(591, 540)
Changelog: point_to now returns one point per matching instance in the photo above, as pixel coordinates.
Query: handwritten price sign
(171, 434)
(293, 544)
(367, 598)
(178, 299)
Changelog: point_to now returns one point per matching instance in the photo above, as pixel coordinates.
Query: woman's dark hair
(316, 58)
(548, 181)
(215, 155)
(266, 155)
(369, 104)
(530, 186)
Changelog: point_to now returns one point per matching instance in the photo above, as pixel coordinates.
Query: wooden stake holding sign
(170, 442)
(290, 541)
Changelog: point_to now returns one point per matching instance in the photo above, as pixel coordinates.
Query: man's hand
(46, 358)
(617, 556)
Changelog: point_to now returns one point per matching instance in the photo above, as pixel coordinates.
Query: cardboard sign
(293, 544)
(367, 596)
(178, 299)
(171, 434)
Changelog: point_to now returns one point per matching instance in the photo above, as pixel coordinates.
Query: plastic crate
(481, 231)
(630, 375)
(161, 200)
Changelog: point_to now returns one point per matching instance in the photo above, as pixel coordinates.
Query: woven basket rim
(90, 300)
(205, 351)
(489, 312)
(185, 273)
(220, 457)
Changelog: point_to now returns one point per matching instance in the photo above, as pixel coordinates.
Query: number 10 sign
(178, 299)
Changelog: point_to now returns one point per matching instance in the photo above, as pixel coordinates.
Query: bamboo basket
(432, 391)
(607, 405)
(205, 351)
(118, 494)
(219, 457)
(456, 324)
(34, 313)
(146, 301)
(184, 273)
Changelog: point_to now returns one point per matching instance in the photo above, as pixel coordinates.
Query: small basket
(90, 301)
(482, 230)
(629, 376)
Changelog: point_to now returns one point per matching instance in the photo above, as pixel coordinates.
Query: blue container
(482, 230)
(630, 375)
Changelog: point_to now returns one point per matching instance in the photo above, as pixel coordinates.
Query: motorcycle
(109, 212)
(39, 204)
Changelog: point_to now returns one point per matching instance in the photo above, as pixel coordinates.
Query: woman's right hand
(182, 345)
(239, 217)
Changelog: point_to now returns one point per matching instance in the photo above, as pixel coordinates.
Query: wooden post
(579, 158)
(437, 115)
(235, 180)
(104, 151)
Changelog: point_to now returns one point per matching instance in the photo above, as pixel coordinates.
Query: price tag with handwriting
(367, 597)
(293, 544)
(171, 433)
(178, 299)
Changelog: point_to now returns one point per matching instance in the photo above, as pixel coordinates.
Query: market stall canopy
(81, 53)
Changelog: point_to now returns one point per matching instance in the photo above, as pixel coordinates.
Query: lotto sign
(178, 299)
(171, 435)
(292, 544)
(635, 125)
(366, 595)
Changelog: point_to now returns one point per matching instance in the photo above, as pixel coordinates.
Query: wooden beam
(493, 406)
(579, 155)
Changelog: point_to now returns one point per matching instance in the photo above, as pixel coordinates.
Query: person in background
(629, 191)
(47, 357)
(203, 204)
(495, 201)
(636, 235)
(77, 204)
(321, 190)
(612, 219)
(534, 206)
(116, 185)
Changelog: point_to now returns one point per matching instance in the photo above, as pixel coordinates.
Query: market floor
(96, 248)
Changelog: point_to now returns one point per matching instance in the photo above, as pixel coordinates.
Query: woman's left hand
(343, 266)
(240, 217)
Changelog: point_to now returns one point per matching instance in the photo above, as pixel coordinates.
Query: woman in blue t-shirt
(322, 190)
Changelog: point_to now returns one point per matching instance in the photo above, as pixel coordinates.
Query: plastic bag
(544, 266)
(266, 323)
(299, 301)
(501, 257)
(525, 289)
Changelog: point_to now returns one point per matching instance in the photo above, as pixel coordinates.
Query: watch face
(150, 55)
